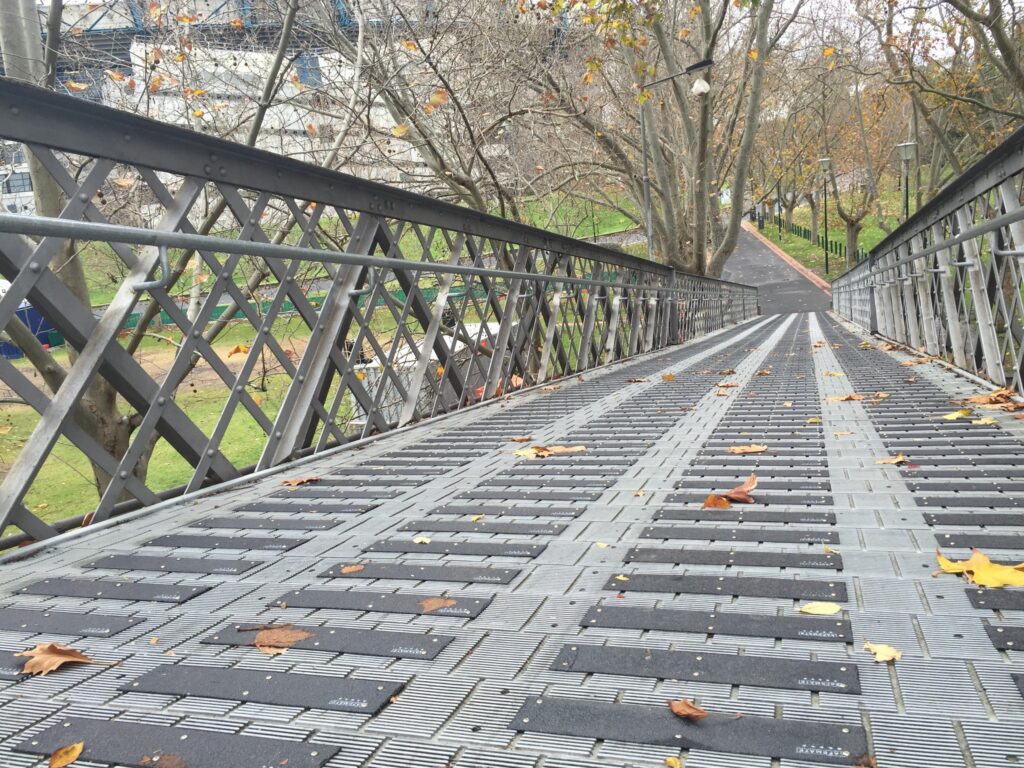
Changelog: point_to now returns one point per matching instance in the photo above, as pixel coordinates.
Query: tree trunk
(812, 203)
(852, 238)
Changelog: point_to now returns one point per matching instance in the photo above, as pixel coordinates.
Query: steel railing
(948, 281)
(314, 309)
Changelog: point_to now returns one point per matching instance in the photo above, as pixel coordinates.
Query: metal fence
(353, 309)
(948, 282)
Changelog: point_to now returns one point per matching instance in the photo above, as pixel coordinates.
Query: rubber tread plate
(746, 516)
(997, 599)
(413, 572)
(477, 548)
(114, 590)
(733, 557)
(173, 564)
(142, 746)
(786, 739)
(704, 667)
(509, 529)
(64, 623)
(265, 523)
(1006, 638)
(276, 688)
(711, 622)
(979, 540)
(377, 602)
(203, 541)
(737, 586)
(733, 534)
(11, 666)
(365, 642)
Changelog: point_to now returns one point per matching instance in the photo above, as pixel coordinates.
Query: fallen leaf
(47, 657)
(296, 481)
(841, 434)
(722, 393)
(475, 518)
(421, 540)
(866, 345)
(830, 551)
(883, 652)
(727, 372)
(880, 395)
(813, 420)
(726, 385)
(714, 501)
(352, 568)
(276, 640)
(918, 361)
(672, 762)
(963, 413)
(787, 404)
(985, 420)
(911, 380)
(996, 397)
(154, 640)
(551, 387)
(866, 761)
(834, 373)
(898, 459)
(640, 493)
(741, 493)
(889, 347)
(820, 609)
(686, 709)
(668, 377)
(522, 439)
(742, 450)
(238, 349)
(65, 756)
(620, 577)
(764, 372)
(431, 604)
(635, 380)
(843, 398)
(74, 87)
(543, 451)
(600, 545)
(980, 570)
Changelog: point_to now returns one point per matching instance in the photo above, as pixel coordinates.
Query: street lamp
(907, 151)
(826, 166)
(648, 217)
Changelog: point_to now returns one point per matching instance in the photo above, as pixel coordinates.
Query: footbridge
(449, 491)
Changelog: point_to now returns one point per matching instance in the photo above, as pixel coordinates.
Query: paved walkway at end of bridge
(434, 600)
(781, 288)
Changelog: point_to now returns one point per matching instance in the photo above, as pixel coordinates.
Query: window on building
(18, 182)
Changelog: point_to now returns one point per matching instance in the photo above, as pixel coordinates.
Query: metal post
(648, 219)
(982, 308)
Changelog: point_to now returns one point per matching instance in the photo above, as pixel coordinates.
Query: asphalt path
(781, 289)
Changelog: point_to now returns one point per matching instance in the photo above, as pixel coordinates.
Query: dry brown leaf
(818, 344)
(296, 481)
(841, 434)
(543, 451)
(843, 398)
(47, 657)
(686, 709)
(727, 372)
(830, 551)
(352, 568)
(813, 420)
(551, 387)
(522, 439)
(889, 347)
(742, 450)
(726, 384)
(996, 397)
(431, 604)
(714, 501)
(65, 756)
(421, 540)
(866, 761)
(898, 459)
(668, 377)
(918, 361)
(640, 493)
(834, 373)
(787, 404)
(764, 372)
(741, 493)
(636, 380)
(984, 421)
(275, 640)
(722, 393)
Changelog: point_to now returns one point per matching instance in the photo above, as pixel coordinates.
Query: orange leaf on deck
(65, 756)
(522, 439)
(716, 502)
(431, 604)
(295, 481)
(741, 493)
(742, 450)
(275, 640)
(686, 709)
(352, 568)
(46, 657)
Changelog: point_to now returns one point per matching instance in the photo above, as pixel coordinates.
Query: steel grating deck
(580, 592)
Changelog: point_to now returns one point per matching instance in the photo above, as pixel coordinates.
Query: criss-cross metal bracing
(949, 280)
(315, 310)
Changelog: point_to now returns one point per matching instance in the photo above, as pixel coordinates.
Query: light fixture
(907, 151)
(826, 164)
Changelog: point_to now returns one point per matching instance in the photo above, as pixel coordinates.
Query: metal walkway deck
(577, 593)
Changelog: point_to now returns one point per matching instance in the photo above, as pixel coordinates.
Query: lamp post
(907, 151)
(826, 166)
(648, 218)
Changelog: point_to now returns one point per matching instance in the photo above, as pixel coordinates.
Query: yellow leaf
(787, 404)
(813, 420)
(764, 372)
(438, 98)
(963, 413)
(238, 349)
(600, 545)
(5, 429)
(197, 113)
(542, 451)
(257, 398)
(360, 376)
(883, 652)
(668, 377)
(74, 87)
(828, 52)
(117, 77)
(980, 570)
(65, 756)
(236, 23)
(400, 130)
(842, 434)
(742, 450)
(409, 45)
(830, 551)
(421, 540)
(156, 83)
(475, 518)
(672, 762)
(620, 577)
(753, 53)
(898, 459)
(843, 398)
(985, 420)
(821, 609)
(833, 373)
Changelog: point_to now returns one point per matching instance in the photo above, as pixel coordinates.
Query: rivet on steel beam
(211, 453)
(34, 266)
(161, 400)
(15, 111)
(123, 474)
